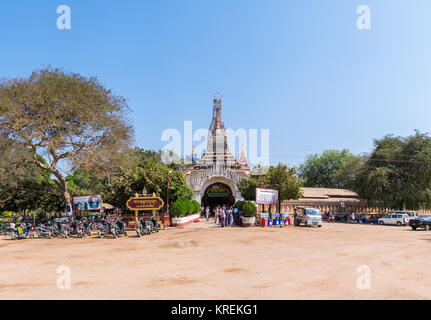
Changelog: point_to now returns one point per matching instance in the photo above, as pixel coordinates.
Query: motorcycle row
(80, 228)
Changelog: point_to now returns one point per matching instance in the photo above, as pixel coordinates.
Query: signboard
(87, 203)
(218, 190)
(266, 196)
(145, 203)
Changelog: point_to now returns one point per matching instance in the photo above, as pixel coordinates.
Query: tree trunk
(63, 185)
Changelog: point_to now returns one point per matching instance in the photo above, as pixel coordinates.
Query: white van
(307, 216)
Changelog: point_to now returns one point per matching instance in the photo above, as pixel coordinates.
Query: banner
(87, 203)
(266, 196)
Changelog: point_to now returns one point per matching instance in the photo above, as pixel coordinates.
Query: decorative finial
(218, 95)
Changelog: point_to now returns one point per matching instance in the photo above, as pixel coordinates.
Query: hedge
(181, 208)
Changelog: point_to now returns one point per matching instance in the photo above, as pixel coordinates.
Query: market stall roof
(107, 206)
(328, 193)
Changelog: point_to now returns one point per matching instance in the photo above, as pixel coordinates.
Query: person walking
(207, 214)
(226, 212)
(217, 214)
(230, 216)
(222, 217)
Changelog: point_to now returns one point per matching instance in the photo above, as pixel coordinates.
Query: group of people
(225, 216)
(351, 217)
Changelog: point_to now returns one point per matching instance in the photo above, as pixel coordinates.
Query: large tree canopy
(65, 116)
(398, 173)
(330, 169)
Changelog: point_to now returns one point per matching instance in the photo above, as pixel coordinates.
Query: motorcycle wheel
(49, 235)
(12, 235)
(100, 234)
(32, 235)
(80, 235)
(138, 231)
(125, 233)
(115, 235)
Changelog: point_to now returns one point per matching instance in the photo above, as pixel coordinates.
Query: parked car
(395, 219)
(411, 214)
(420, 222)
(307, 216)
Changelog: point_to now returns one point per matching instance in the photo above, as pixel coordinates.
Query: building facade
(214, 177)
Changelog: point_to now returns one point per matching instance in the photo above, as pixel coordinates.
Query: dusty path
(205, 262)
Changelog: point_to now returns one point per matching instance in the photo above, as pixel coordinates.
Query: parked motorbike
(63, 230)
(106, 228)
(154, 224)
(120, 227)
(44, 230)
(22, 232)
(143, 227)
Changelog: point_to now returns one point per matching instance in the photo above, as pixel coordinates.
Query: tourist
(226, 212)
(236, 215)
(217, 214)
(222, 217)
(231, 216)
(207, 214)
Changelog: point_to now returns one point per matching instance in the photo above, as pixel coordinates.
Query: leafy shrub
(240, 205)
(249, 209)
(178, 208)
(196, 206)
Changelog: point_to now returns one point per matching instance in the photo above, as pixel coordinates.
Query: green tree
(397, 174)
(23, 189)
(67, 118)
(323, 170)
(83, 183)
(346, 176)
(151, 173)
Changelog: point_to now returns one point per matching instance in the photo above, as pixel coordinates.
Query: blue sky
(300, 68)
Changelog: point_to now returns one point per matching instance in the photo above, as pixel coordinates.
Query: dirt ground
(202, 261)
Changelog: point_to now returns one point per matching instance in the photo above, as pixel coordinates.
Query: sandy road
(206, 262)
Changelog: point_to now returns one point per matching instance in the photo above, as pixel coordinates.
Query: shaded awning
(107, 206)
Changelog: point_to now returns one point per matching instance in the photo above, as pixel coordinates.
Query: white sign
(266, 196)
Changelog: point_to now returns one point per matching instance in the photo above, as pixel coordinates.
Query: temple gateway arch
(214, 177)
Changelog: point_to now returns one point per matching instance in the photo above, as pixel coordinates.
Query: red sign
(145, 203)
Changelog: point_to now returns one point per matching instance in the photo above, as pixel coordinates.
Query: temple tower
(214, 177)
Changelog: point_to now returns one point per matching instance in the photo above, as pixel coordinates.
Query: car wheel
(398, 223)
(381, 223)
(413, 228)
(427, 227)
